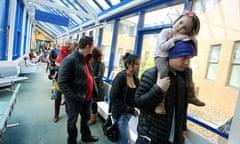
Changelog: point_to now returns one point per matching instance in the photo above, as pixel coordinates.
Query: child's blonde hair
(195, 21)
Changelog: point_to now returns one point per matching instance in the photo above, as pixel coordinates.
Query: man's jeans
(74, 108)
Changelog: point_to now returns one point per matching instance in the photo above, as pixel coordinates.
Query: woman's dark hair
(84, 41)
(130, 59)
(96, 54)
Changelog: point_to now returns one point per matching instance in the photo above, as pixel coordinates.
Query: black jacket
(72, 78)
(99, 69)
(149, 95)
(118, 95)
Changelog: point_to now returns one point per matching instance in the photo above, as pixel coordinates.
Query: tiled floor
(34, 112)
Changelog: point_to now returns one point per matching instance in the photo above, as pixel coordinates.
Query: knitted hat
(182, 49)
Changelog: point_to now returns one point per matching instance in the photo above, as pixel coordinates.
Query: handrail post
(235, 127)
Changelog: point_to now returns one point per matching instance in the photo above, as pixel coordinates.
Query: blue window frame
(18, 31)
(25, 36)
(4, 8)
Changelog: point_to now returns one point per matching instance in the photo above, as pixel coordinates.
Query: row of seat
(6, 108)
(13, 71)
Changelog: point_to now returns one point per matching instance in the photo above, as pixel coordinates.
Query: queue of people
(159, 99)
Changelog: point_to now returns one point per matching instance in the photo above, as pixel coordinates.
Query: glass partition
(106, 45)
(219, 26)
(163, 16)
(125, 40)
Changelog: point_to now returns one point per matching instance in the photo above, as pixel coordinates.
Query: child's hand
(180, 37)
(163, 83)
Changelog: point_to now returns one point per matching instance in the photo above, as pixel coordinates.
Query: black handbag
(110, 129)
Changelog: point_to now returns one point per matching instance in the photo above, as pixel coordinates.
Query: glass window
(235, 68)
(147, 58)
(213, 62)
(106, 45)
(163, 16)
(125, 40)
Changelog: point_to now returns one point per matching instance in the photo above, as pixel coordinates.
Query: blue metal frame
(100, 33)
(132, 10)
(25, 35)
(109, 3)
(203, 124)
(113, 47)
(99, 6)
(18, 31)
(91, 34)
(4, 5)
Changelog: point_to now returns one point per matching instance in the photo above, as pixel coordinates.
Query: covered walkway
(34, 112)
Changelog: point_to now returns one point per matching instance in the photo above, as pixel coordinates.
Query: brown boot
(92, 119)
(160, 108)
(56, 110)
(191, 97)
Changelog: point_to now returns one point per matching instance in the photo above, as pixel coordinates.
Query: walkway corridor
(34, 113)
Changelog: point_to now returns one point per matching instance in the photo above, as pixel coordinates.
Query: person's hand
(135, 113)
(163, 83)
(180, 37)
(184, 134)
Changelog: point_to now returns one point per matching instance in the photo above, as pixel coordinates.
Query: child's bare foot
(160, 109)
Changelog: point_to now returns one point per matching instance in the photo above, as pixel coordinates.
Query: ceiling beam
(62, 8)
(89, 9)
(40, 29)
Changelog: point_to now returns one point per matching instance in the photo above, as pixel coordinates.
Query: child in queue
(185, 28)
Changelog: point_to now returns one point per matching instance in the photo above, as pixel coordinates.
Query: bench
(6, 108)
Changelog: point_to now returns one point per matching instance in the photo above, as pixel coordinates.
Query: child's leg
(191, 97)
(162, 66)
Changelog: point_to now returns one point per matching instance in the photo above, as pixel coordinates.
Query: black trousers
(94, 107)
(74, 109)
(142, 140)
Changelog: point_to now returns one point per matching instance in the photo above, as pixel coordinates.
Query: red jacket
(63, 53)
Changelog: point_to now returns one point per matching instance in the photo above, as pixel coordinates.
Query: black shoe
(90, 139)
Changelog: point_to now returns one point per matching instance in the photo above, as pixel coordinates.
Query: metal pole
(235, 127)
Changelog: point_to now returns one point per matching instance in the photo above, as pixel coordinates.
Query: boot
(191, 97)
(56, 110)
(160, 108)
(92, 119)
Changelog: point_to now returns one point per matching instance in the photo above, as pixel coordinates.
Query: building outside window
(213, 62)
(234, 79)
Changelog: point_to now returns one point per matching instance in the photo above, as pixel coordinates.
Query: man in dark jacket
(169, 128)
(76, 82)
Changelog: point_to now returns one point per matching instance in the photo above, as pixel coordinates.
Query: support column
(235, 127)
(13, 6)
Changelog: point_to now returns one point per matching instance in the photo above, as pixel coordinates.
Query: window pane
(212, 70)
(236, 58)
(147, 59)
(106, 45)
(214, 53)
(235, 77)
(163, 16)
(125, 40)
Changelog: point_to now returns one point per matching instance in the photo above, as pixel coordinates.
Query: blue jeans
(124, 134)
